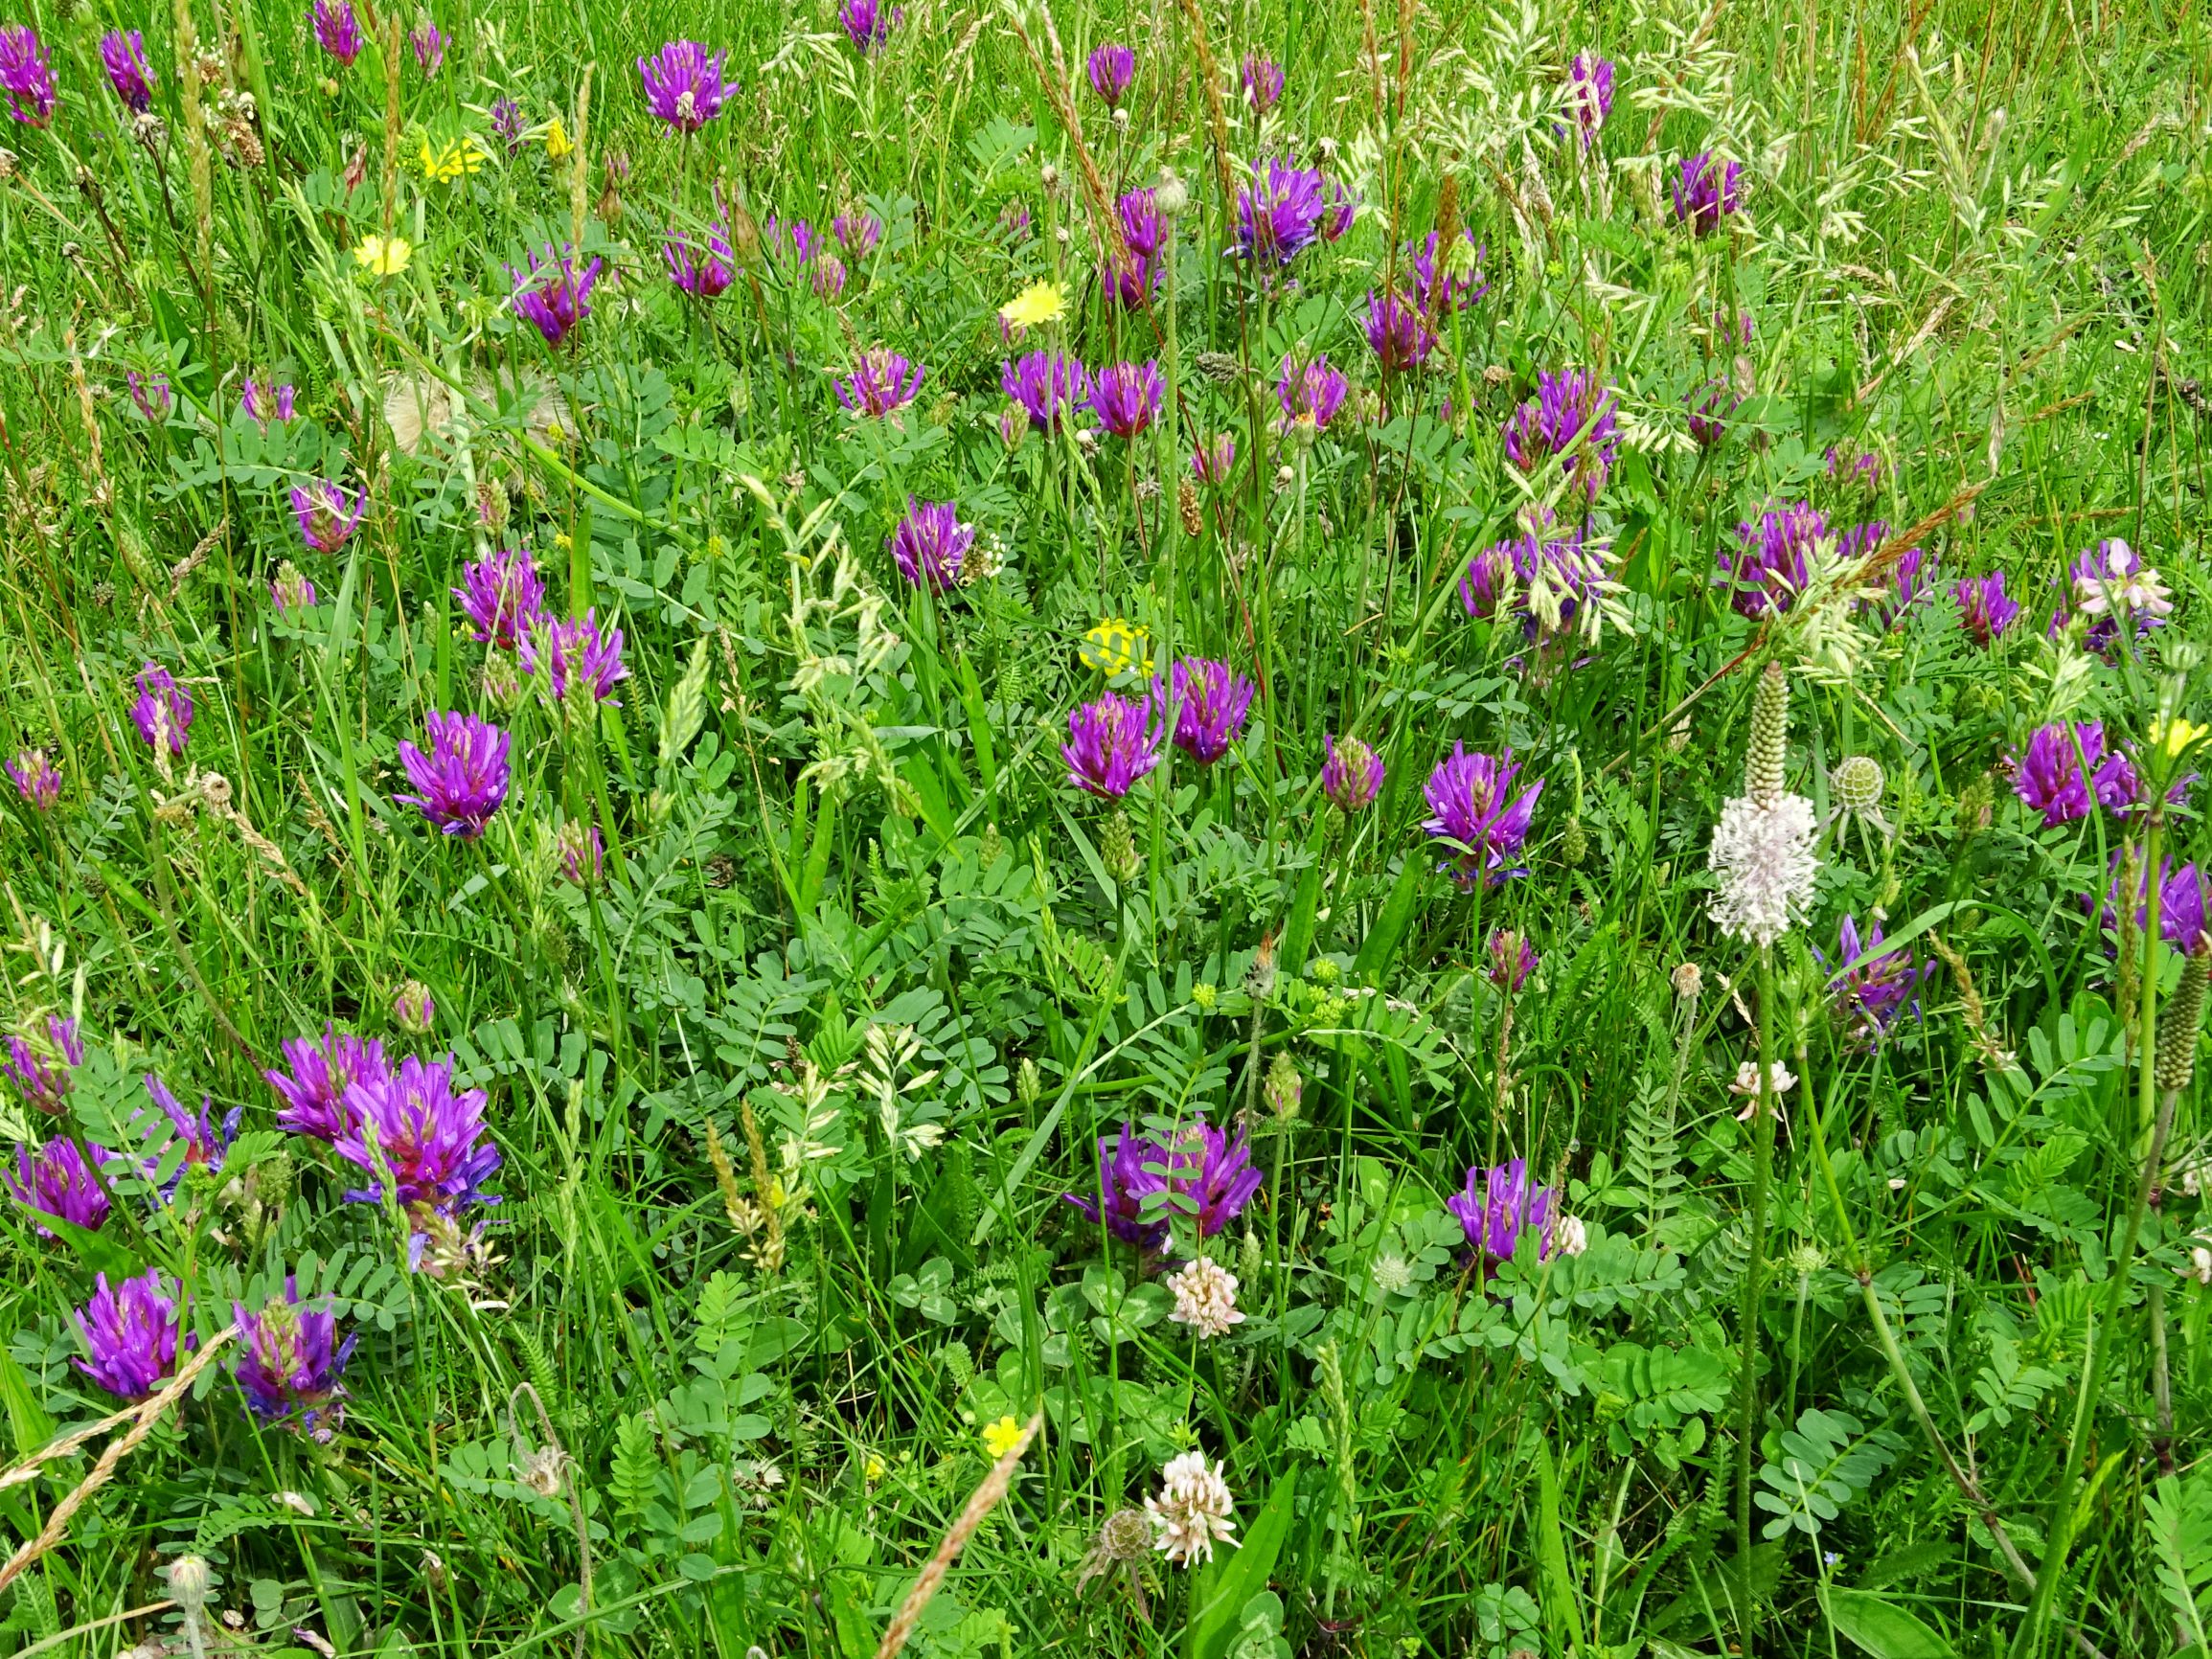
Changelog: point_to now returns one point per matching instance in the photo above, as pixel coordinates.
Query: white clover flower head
(1193, 1512)
(1205, 1299)
(1392, 1274)
(2199, 1266)
(1747, 1085)
(1572, 1238)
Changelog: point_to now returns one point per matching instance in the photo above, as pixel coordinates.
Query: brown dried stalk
(980, 1503)
(1105, 223)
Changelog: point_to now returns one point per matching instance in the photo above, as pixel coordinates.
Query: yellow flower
(1038, 303)
(1001, 1436)
(1115, 646)
(556, 145)
(2174, 736)
(875, 1468)
(450, 162)
(383, 256)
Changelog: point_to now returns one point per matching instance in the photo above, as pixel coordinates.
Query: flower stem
(1754, 1283)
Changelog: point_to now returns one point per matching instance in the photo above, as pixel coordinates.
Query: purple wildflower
(337, 30)
(1310, 393)
(1210, 701)
(701, 269)
(1399, 335)
(1440, 294)
(1338, 217)
(507, 124)
(2061, 781)
(25, 75)
(163, 712)
(1984, 611)
(34, 779)
(2180, 904)
(1709, 414)
(151, 393)
(1111, 743)
(2111, 585)
(463, 780)
(131, 1332)
(315, 1091)
(56, 1183)
(293, 1362)
(858, 233)
(1911, 576)
(930, 544)
(1129, 282)
(582, 857)
(414, 1008)
(1468, 794)
(868, 24)
(1014, 222)
(1131, 1170)
(1047, 384)
(1705, 192)
(1569, 418)
(1871, 994)
(1512, 960)
(429, 43)
(1278, 213)
(1571, 571)
(503, 596)
(1125, 397)
(684, 85)
(882, 383)
(1500, 1205)
(558, 302)
(1112, 67)
(1215, 461)
(1215, 1174)
(804, 244)
(429, 1141)
(43, 1069)
(1263, 80)
(122, 54)
(829, 279)
(264, 401)
(1772, 566)
(327, 513)
(1351, 774)
(576, 656)
(205, 1140)
(1589, 94)
(1855, 468)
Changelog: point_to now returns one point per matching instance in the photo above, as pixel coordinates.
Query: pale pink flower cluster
(1193, 1512)
(1205, 1299)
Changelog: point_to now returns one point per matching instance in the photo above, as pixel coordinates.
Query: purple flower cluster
(264, 401)
(292, 1363)
(684, 85)
(1710, 407)
(1351, 774)
(429, 43)
(1111, 68)
(411, 1127)
(1310, 393)
(1855, 468)
(930, 544)
(43, 1071)
(2064, 772)
(1984, 611)
(502, 596)
(1263, 81)
(1210, 701)
(2180, 904)
(1279, 212)
(123, 55)
(882, 383)
(315, 1090)
(1705, 192)
(1112, 742)
(1125, 396)
(163, 712)
(151, 394)
(858, 233)
(552, 295)
(1144, 1183)
(576, 656)
(1569, 567)
(1215, 461)
(582, 858)
(1870, 995)
(56, 1183)
(129, 1332)
(1499, 1204)
(1047, 385)
(2109, 585)
(1589, 94)
(1440, 293)
(337, 30)
(1398, 332)
(1129, 282)
(1911, 574)
(327, 513)
(34, 779)
(1570, 420)
(702, 268)
(868, 24)
(25, 75)
(1512, 960)
(463, 780)
(205, 1141)
(1772, 563)
(1471, 797)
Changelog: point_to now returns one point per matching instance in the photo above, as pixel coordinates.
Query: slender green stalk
(1754, 1287)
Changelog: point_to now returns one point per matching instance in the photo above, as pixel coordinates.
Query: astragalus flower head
(1210, 701)
(264, 401)
(1215, 1175)
(123, 55)
(293, 1362)
(1194, 1509)
(163, 712)
(1705, 192)
(1471, 797)
(1351, 774)
(1205, 1294)
(1111, 68)
(1440, 287)
(701, 266)
(43, 1067)
(1132, 1169)
(1570, 420)
(502, 596)
(2064, 772)
(1112, 742)
(930, 544)
(1589, 94)
(2111, 585)
(1047, 385)
(25, 75)
(129, 1332)
(315, 1090)
(429, 43)
(1278, 211)
(1263, 79)
(327, 513)
(337, 30)
(883, 382)
(1772, 565)
(1985, 611)
(34, 777)
(579, 658)
(551, 295)
(684, 85)
(1125, 396)
(411, 1126)
(55, 1182)
(2181, 906)
(462, 779)
(1396, 331)
(205, 1140)
(1546, 576)
(1763, 859)
(290, 592)
(869, 24)
(1498, 1205)
(1869, 996)
(1309, 394)
(1512, 959)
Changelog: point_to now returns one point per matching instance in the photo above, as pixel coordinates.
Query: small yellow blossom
(1001, 1436)
(383, 256)
(556, 145)
(1115, 646)
(2172, 737)
(1038, 303)
(875, 1468)
(449, 162)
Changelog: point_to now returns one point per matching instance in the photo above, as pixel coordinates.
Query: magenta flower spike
(883, 382)
(577, 657)
(684, 85)
(1512, 960)
(2065, 772)
(1215, 1173)
(292, 1362)
(1262, 81)
(315, 1090)
(1278, 211)
(1338, 217)
(123, 55)
(1500, 1205)
(1984, 611)
(1589, 94)
(828, 279)
(1773, 560)
(1471, 798)
(1215, 461)
(1869, 996)
(1399, 336)
(130, 1333)
(25, 75)
(34, 779)
(164, 710)
(1210, 701)
(1112, 742)
(1213, 1179)
(582, 855)
(2181, 906)
(1310, 393)
(1111, 68)
(337, 30)
(206, 1142)
(1129, 282)
(463, 780)
(327, 513)
(1439, 294)
(1351, 774)
(868, 24)
(1705, 192)
(930, 544)
(702, 268)
(552, 295)
(858, 234)
(1132, 1169)
(503, 596)
(429, 43)
(1569, 419)
(43, 1069)
(1125, 396)
(1572, 568)
(1710, 407)
(507, 124)
(151, 394)
(1046, 384)
(264, 401)
(55, 1182)
(429, 1141)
